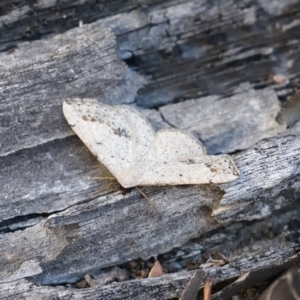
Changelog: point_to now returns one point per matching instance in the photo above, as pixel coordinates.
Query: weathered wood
(37, 77)
(166, 287)
(229, 124)
(137, 227)
(277, 184)
(187, 48)
(27, 21)
(48, 63)
(169, 286)
(55, 229)
(290, 112)
(47, 178)
(59, 171)
(193, 287)
(256, 275)
(236, 241)
(287, 285)
(207, 49)
(52, 177)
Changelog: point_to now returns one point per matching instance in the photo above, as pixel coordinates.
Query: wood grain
(166, 56)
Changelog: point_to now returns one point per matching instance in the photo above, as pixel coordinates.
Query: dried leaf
(156, 270)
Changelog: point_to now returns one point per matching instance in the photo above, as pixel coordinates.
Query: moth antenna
(104, 188)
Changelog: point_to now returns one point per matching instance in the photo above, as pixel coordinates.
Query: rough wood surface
(186, 48)
(228, 124)
(137, 227)
(276, 185)
(37, 77)
(56, 228)
(165, 287)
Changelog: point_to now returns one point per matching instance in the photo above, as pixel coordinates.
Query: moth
(126, 144)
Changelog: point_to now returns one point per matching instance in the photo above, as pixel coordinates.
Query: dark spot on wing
(212, 169)
(85, 118)
(121, 132)
(189, 161)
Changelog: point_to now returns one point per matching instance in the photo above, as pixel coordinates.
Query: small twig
(89, 280)
(207, 289)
